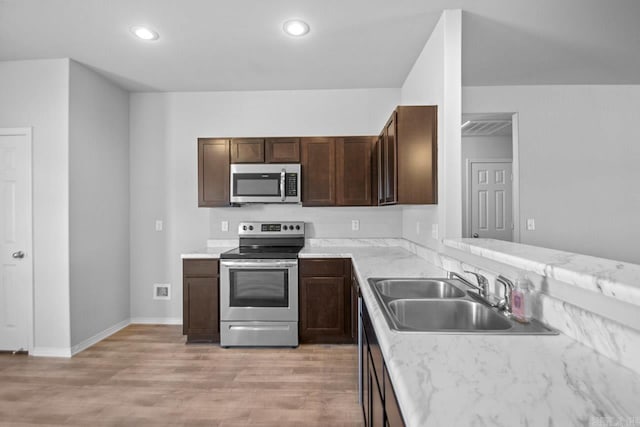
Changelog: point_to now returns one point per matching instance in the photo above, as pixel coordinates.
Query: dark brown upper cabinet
(407, 157)
(282, 150)
(247, 150)
(353, 170)
(318, 171)
(213, 172)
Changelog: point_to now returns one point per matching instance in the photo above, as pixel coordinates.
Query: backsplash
(322, 222)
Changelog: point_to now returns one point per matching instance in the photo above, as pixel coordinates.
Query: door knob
(476, 235)
(18, 255)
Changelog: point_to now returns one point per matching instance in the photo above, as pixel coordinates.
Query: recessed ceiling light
(296, 27)
(145, 33)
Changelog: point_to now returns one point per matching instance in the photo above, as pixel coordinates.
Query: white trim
(51, 352)
(28, 250)
(156, 320)
(469, 178)
(515, 169)
(99, 337)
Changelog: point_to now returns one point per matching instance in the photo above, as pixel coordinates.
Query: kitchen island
(493, 380)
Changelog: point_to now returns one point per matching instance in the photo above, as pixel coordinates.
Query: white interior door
(16, 283)
(491, 200)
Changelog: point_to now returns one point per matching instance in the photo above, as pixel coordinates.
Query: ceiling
(239, 45)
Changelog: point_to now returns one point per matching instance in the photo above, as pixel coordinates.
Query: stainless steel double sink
(443, 306)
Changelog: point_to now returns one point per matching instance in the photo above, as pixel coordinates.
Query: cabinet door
(247, 150)
(353, 170)
(390, 161)
(380, 169)
(200, 308)
(318, 171)
(391, 407)
(417, 154)
(376, 412)
(282, 150)
(213, 172)
(323, 314)
(366, 392)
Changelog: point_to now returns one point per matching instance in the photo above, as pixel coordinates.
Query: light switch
(158, 225)
(531, 224)
(355, 225)
(224, 225)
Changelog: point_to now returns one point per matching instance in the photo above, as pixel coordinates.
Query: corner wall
(98, 205)
(435, 79)
(36, 94)
(579, 157)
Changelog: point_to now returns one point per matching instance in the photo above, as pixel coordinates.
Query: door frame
(469, 178)
(28, 133)
(515, 170)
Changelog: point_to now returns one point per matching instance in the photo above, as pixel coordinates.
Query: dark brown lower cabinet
(200, 300)
(325, 301)
(379, 403)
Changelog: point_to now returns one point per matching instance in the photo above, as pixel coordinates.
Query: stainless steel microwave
(265, 183)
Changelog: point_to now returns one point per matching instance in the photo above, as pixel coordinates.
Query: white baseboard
(98, 337)
(157, 320)
(51, 352)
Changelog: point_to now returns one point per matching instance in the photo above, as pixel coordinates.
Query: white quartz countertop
(489, 380)
(485, 380)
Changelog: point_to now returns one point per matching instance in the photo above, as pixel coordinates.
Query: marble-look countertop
(483, 380)
(610, 278)
(489, 380)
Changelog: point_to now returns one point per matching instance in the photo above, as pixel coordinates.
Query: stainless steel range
(259, 286)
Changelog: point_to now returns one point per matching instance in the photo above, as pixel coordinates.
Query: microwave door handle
(282, 177)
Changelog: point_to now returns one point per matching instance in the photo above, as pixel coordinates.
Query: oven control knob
(284, 228)
(244, 227)
(297, 227)
(251, 227)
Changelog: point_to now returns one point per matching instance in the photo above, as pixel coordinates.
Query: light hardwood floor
(146, 376)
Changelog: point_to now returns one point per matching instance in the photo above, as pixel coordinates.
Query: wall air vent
(486, 127)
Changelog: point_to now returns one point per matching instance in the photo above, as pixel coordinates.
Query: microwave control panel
(291, 184)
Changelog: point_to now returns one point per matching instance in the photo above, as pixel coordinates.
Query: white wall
(579, 157)
(98, 203)
(163, 135)
(481, 147)
(35, 94)
(435, 79)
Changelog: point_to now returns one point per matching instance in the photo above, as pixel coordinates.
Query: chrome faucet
(483, 284)
(505, 303)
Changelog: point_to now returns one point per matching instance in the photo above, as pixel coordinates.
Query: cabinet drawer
(200, 267)
(322, 267)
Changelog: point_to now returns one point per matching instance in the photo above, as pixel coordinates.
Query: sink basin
(418, 288)
(443, 306)
(446, 316)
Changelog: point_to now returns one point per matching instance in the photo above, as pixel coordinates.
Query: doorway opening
(490, 197)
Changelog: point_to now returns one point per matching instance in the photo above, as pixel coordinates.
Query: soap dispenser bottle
(522, 300)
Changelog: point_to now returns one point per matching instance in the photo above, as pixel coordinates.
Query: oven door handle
(257, 264)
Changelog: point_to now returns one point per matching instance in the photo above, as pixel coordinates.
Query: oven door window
(256, 184)
(259, 288)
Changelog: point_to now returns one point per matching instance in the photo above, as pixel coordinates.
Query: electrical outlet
(162, 291)
(158, 225)
(434, 231)
(418, 228)
(224, 226)
(355, 225)
(531, 224)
